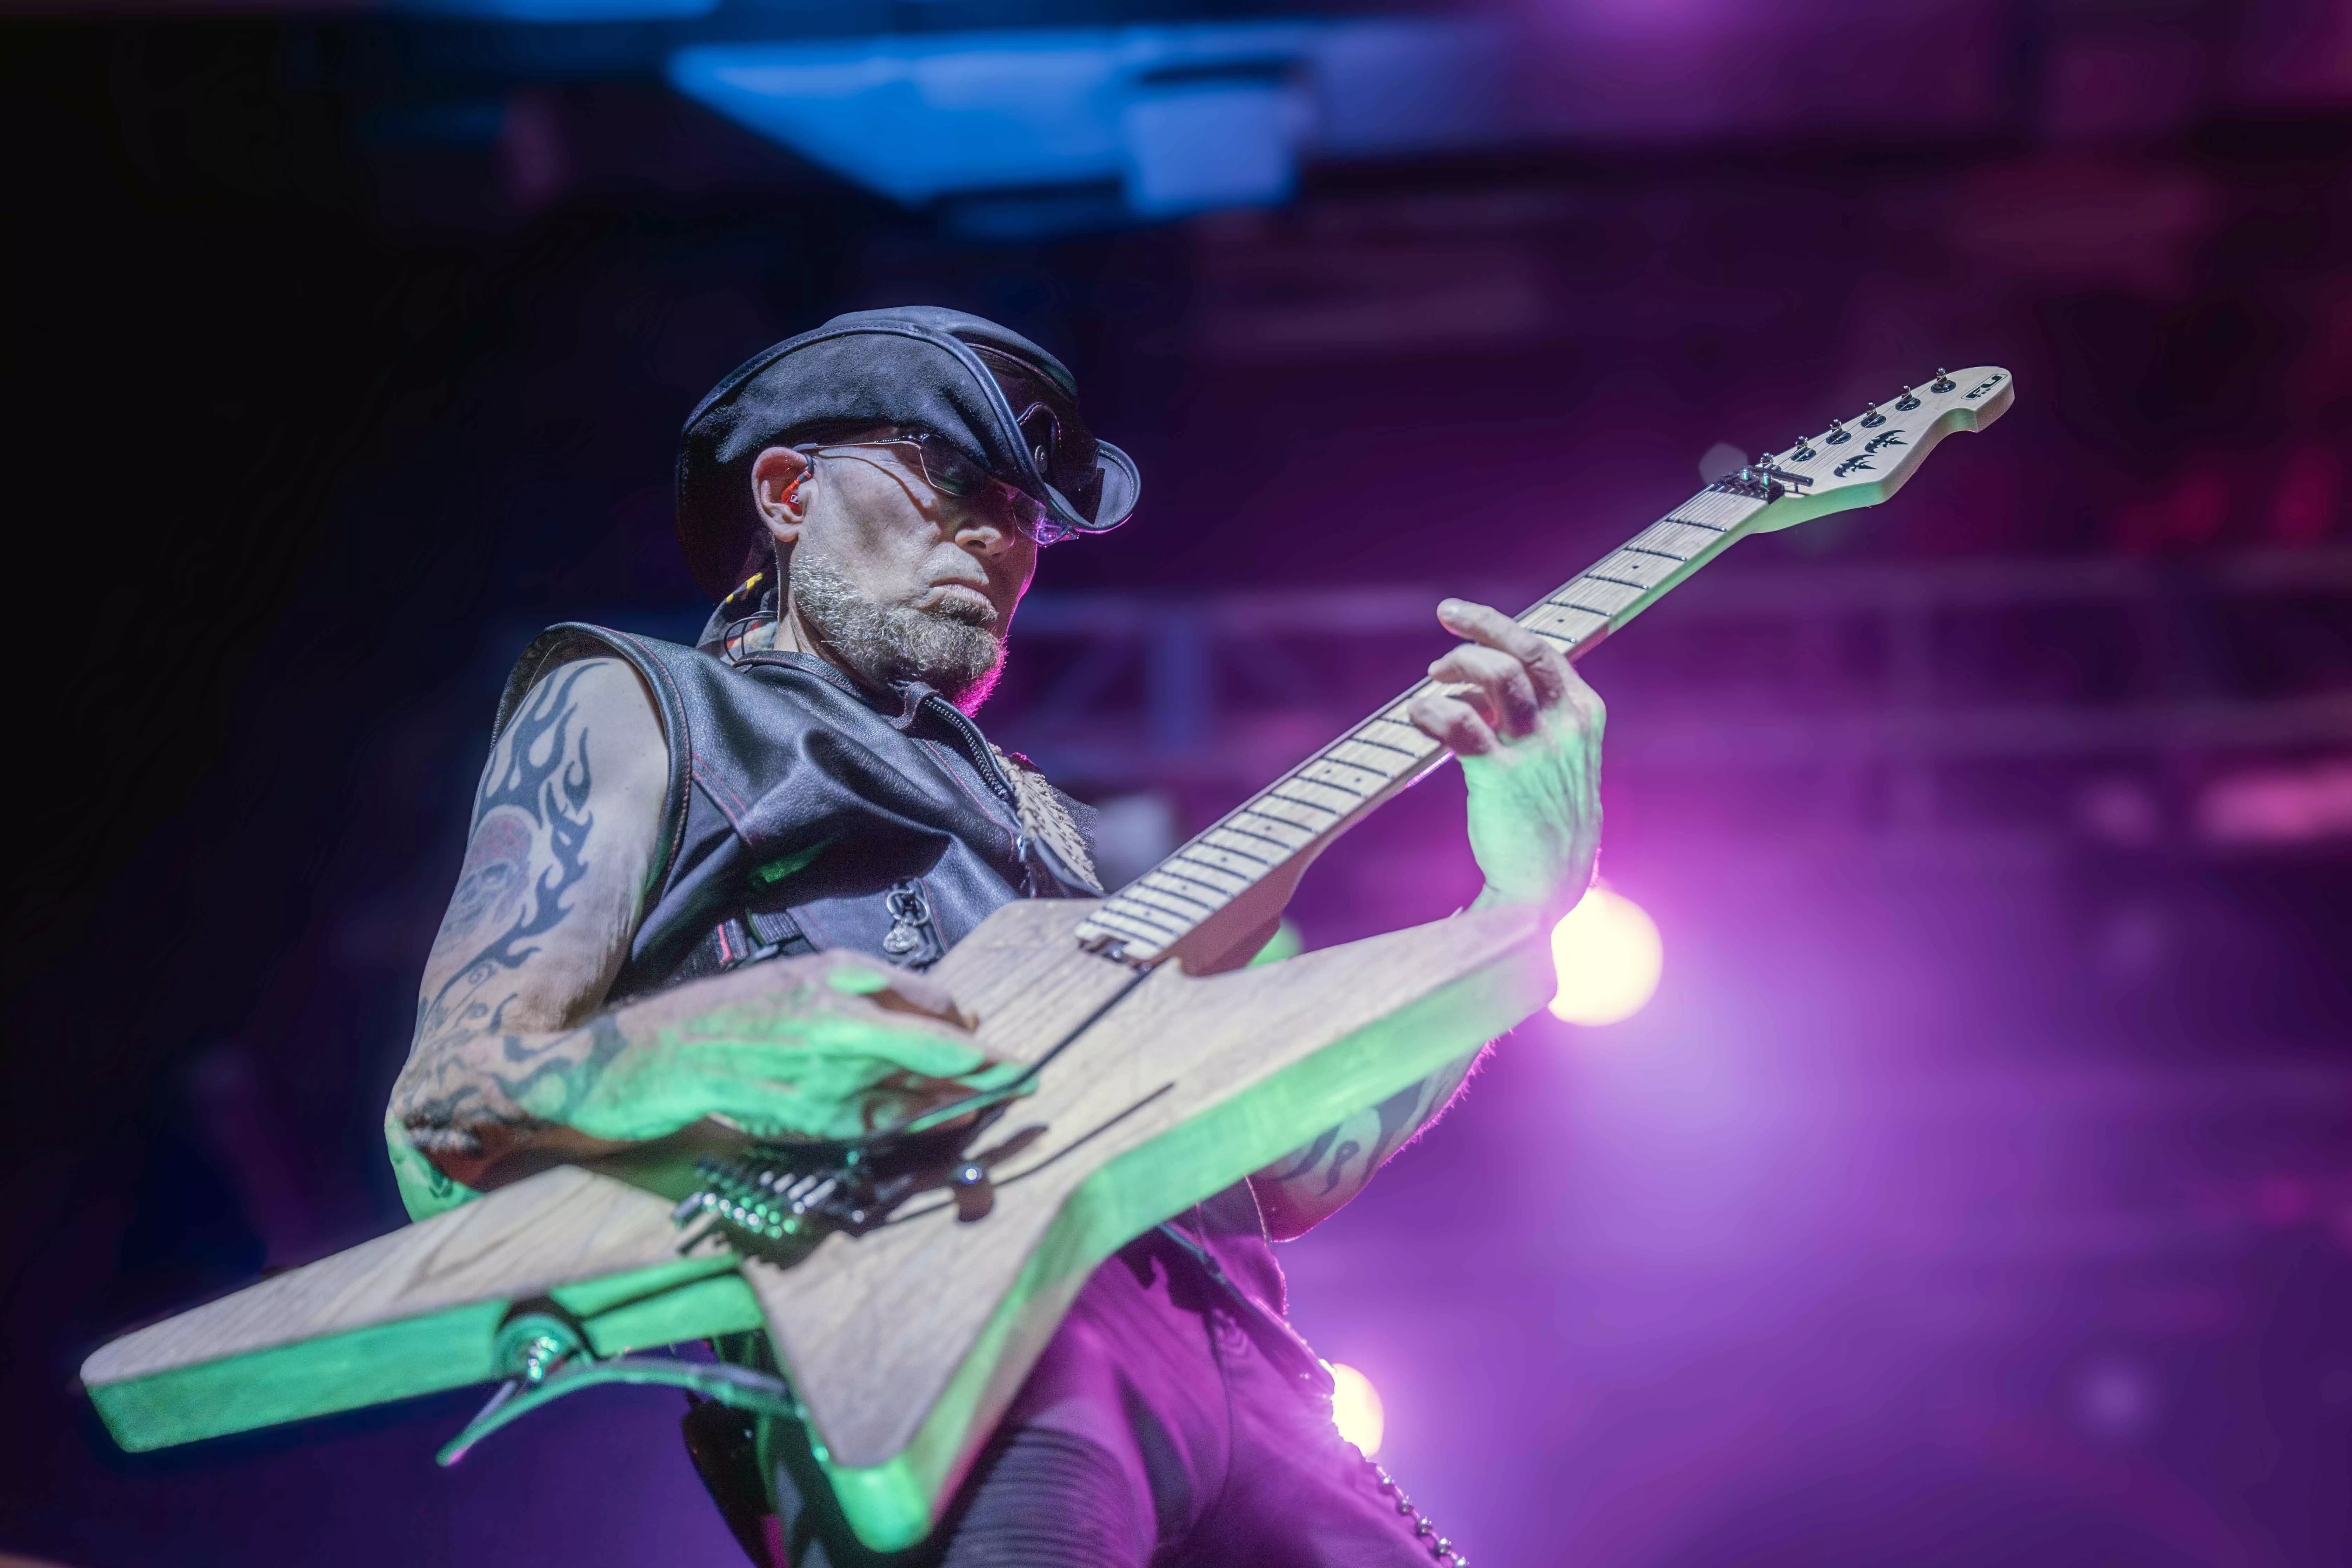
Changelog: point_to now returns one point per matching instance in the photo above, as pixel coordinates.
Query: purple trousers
(1171, 1423)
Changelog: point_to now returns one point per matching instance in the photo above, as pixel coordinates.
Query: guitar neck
(1222, 891)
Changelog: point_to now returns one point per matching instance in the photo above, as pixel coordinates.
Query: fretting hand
(1527, 731)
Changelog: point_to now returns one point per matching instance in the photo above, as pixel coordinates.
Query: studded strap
(1440, 1550)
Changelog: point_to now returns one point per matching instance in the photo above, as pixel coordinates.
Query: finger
(759, 1110)
(832, 1048)
(1451, 722)
(809, 1044)
(893, 990)
(1488, 626)
(1578, 694)
(1508, 691)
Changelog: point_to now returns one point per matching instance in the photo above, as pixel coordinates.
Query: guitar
(908, 1284)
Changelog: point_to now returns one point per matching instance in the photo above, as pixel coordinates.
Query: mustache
(940, 604)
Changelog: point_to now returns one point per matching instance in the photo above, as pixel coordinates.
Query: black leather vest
(799, 815)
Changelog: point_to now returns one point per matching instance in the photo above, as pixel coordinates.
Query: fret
(1716, 509)
(1636, 569)
(1186, 912)
(1121, 915)
(1601, 598)
(1397, 734)
(1680, 540)
(1251, 846)
(1288, 836)
(1130, 947)
(1326, 797)
(1562, 621)
(1136, 911)
(1359, 781)
(1184, 885)
(1180, 884)
(1314, 819)
(1207, 856)
(1386, 760)
(1730, 510)
(1194, 867)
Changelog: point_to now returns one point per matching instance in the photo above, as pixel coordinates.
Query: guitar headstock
(1862, 461)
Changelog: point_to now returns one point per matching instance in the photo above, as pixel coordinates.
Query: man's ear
(779, 491)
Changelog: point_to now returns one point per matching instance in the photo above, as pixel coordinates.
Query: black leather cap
(1005, 401)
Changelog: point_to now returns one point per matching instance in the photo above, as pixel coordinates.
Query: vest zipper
(976, 745)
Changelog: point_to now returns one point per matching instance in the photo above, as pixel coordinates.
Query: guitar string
(1714, 512)
(1024, 1175)
(986, 1098)
(1731, 509)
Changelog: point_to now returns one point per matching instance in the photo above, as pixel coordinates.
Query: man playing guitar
(702, 883)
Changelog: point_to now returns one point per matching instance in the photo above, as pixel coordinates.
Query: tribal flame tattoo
(541, 793)
(532, 807)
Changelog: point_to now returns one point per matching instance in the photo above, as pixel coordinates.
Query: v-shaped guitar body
(904, 1346)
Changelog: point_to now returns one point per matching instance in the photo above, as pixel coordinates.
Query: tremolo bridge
(777, 1201)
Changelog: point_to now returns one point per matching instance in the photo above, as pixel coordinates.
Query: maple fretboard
(1269, 836)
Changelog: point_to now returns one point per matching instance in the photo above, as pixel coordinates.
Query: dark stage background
(1976, 1191)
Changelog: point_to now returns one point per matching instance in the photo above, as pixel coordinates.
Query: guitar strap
(1275, 1339)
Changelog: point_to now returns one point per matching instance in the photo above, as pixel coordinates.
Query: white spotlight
(1355, 1407)
(1607, 954)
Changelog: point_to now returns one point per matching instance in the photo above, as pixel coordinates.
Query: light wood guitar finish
(1167, 1082)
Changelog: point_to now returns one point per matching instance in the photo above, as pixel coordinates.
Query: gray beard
(950, 650)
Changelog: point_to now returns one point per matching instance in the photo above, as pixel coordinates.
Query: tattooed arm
(1527, 732)
(1310, 1186)
(514, 1066)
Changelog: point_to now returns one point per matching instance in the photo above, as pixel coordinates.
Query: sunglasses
(949, 470)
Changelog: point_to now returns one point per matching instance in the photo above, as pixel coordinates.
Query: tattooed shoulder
(535, 851)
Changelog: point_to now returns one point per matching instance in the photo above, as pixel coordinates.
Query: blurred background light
(1179, 117)
(559, 11)
(1608, 956)
(2116, 1398)
(1356, 1408)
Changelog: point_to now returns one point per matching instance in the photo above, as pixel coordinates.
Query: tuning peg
(1905, 402)
(1943, 382)
(1871, 420)
(1803, 452)
(1839, 434)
